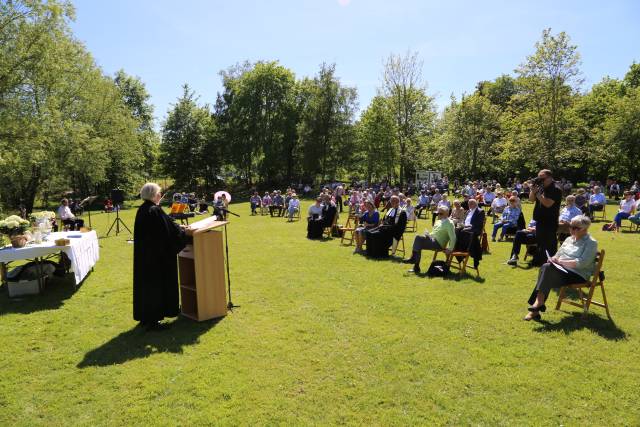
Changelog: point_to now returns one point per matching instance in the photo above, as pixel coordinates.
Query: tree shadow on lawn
(55, 293)
(574, 321)
(138, 343)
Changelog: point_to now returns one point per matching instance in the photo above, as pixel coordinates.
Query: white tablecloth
(83, 251)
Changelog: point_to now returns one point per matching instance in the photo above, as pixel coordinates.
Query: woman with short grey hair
(156, 241)
(573, 263)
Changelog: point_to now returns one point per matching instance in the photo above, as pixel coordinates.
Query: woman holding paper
(573, 263)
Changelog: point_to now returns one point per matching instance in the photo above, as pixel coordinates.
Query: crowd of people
(561, 214)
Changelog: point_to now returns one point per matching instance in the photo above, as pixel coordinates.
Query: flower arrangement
(41, 216)
(14, 225)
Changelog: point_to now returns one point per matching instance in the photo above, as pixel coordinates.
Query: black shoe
(409, 261)
(513, 261)
(415, 269)
(535, 317)
(542, 308)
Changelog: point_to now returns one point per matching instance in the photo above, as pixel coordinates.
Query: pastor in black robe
(380, 239)
(156, 241)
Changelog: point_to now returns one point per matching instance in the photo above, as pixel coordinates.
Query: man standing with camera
(547, 198)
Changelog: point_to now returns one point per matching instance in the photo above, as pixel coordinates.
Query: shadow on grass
(138, 343)
(56, 292)
(574, 322)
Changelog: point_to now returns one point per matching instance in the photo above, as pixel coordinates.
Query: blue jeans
(619, 217)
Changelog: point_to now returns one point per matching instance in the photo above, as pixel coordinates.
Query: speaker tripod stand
(117, 222)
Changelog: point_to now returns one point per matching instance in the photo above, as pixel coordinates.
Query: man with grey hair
(443, 235)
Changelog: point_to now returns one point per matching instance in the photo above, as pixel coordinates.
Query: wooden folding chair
(350, 228)
(461, 264)
(484, 239)
(412, 225)
(586, 297)
(603, 213)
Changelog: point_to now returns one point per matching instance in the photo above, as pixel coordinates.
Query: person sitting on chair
(314, 220)
(423, 202)
(368, 220)
(569, 212)
(277, 204)
(573, 263)
(526, 236)
(442, 237)
(498, 205)
(381, 238)
(294, 206)
(255, 201)
(444, 202)
(108, 206)
(627, 208)
(509, 219)
(473, 224)
(596, 201)
(67, 217)
(582, 201)
(410, 209)
(458, 214)
(635, 218)
(220, 207)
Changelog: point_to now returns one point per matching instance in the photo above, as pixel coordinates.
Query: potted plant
(15, 227)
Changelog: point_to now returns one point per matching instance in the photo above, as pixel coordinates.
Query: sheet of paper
(558, 266)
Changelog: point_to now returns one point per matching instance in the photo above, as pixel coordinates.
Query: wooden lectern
(202, 273)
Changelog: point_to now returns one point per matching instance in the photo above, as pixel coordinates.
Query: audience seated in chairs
(255, 201)
(573, 263)
(526, 236)
(368, 220)
(277, 204)
(597, 201)
(509, 220)
(441, 238)
(627, 208)
(67, 217)
(293, 207)
(567, 213)
(389, 233)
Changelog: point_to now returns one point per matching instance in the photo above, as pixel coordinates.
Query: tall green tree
(549, 79)
(377, 140)
(413, 109)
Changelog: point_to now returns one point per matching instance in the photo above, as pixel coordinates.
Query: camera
(538, 181)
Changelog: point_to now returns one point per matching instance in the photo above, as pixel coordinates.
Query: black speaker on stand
(117, 197)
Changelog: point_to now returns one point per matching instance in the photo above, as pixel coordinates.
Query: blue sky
(170, 42)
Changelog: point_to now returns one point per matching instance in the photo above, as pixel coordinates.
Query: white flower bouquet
(14, 225)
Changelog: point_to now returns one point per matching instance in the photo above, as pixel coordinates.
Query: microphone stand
(230, 305)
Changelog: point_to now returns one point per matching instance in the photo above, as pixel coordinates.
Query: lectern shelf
(202, 273)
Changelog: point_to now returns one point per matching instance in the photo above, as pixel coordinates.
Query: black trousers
(551, 277)
(522, 237)
(546, 240)
(339, 202)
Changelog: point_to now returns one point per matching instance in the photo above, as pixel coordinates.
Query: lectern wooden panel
(202, 272)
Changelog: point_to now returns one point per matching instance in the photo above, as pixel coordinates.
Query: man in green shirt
(442, 237)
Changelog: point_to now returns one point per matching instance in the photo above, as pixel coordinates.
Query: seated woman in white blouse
(67, 217)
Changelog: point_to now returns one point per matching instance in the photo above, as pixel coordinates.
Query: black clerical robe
(156, 241)
(380, 239)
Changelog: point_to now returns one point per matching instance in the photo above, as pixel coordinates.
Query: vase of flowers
(15, 227)
(43, 221)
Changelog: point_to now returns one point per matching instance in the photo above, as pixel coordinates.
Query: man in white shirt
(67, 217)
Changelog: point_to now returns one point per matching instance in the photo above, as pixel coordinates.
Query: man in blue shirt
(596, 201)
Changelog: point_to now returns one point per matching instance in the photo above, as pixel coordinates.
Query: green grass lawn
(323, 336)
